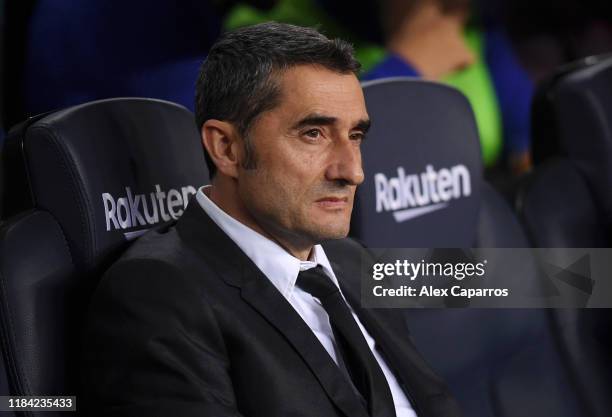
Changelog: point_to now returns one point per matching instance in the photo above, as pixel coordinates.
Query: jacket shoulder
(161, 244)
(158, 259)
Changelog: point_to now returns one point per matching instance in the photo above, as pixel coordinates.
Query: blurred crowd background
(57, 53)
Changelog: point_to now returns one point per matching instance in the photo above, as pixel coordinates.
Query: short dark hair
(238, 81)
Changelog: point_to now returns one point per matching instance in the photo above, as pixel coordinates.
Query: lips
(333, 202)
(333, 198)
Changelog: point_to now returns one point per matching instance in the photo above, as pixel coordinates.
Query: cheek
(268, 191)
(283, 180)
(290, 174)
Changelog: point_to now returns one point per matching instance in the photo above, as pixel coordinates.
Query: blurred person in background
(424, 38)
(432, 39)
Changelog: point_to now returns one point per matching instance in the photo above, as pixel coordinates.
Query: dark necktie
(361, 364)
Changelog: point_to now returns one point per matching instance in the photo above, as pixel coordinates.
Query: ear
(222, 142)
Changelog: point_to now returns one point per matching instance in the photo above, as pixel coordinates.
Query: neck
(229, 202)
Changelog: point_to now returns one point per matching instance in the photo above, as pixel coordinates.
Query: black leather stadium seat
(566, 202)
(498, 362)
(558, 208)
(572, 122)
(96, 176)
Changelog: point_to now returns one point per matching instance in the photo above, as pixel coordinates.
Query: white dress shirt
(282, 269)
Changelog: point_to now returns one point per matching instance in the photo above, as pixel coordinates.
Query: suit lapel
(264, 297)
(236, 269)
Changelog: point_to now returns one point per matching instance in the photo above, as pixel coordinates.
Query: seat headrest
(423, 167)
(571, 117)
(109, 170)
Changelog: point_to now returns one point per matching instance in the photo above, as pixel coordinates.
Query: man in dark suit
(237, 310)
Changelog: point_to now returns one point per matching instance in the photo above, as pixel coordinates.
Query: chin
(325, 226)
(331, 232)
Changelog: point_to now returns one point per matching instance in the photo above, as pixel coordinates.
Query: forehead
(309, 89)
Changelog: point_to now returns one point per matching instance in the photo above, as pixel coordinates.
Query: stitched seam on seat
(65, 161)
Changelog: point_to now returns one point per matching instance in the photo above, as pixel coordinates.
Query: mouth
(333, 203)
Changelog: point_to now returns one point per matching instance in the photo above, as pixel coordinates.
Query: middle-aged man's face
(307, 156)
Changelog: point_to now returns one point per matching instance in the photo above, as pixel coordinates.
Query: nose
(345, 163)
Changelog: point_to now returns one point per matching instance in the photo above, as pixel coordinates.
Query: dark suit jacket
(184, 324)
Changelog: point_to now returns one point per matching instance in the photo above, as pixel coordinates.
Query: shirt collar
(278, 265)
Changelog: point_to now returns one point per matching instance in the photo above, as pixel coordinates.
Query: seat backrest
(498, 226)
(558, 208)
(422, 185)
(97, 176)
(109, 170)
(572, 118)
(416, 125)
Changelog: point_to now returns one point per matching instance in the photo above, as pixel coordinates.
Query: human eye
(313, 134)
(357, 136)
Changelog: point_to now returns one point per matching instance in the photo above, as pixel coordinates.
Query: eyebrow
(321, 120)
(364, 125)
(315, 120)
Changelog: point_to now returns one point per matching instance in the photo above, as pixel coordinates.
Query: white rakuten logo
(413, 195)
(136, 210)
